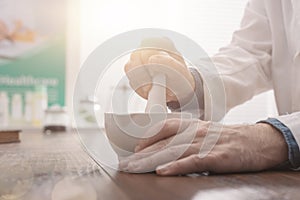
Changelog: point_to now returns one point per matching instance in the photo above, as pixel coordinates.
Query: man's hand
(164, 58)
(180, 149)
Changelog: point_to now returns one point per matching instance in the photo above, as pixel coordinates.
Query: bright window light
(208, 22)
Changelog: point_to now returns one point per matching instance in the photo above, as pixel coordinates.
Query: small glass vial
(40, 104)
(16, 107)
(4, 116)
(56, 119)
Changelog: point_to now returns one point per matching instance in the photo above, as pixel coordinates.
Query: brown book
(9, 136)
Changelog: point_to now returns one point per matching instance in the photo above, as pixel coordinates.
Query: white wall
(73, 51)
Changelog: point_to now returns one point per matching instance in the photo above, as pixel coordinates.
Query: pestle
(157, 95)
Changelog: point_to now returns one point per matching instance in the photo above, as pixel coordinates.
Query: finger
(134, 61)
(133, 64)
(177, 56)
(142, 91)
(137, 71)
(136, 55)
(139, 78)
(167, 60)
(123, 163)
(190, 164)
(184, 138)
(179, 79)
(162, 130)
(171, 96)
(145, 54)
(169, 154)
(146, 152)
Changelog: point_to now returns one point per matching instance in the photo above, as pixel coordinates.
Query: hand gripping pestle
(157, 95)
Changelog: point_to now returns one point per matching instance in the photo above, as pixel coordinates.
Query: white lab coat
(264, 54)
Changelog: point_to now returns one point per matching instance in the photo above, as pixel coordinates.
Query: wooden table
(43, 166)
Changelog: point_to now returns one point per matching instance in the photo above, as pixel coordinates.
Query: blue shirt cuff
(293, 148)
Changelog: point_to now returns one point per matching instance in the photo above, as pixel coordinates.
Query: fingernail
(161, 169)
(164, 165)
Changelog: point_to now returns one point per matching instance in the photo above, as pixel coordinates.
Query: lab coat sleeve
(243, 66)
(292, 121)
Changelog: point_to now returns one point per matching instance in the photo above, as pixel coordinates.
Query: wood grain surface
(34, 168)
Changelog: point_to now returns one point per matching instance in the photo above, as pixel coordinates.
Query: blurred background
(77, 27)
